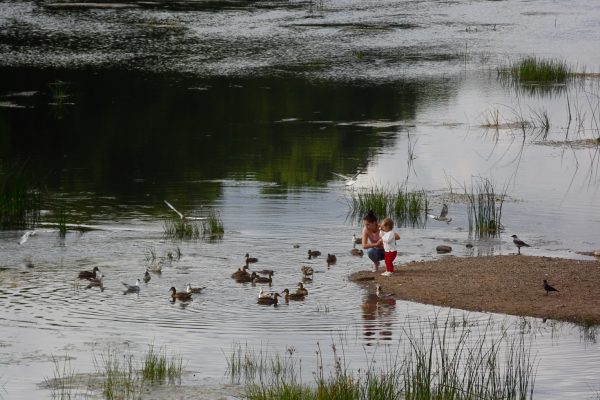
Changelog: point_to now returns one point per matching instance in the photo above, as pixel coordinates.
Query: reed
(176, 228)
(19, 203)
(408, 208)
(212, 227)
(62, 384)
(533, 69)
(484, 208)
(122, 381)
(157, 367)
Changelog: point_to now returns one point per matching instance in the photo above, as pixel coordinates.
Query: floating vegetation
(484, 208)
(212, 227)
(439, 362)
(408, 208)
(19, 201)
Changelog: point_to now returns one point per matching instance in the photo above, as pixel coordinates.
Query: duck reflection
(377, 310)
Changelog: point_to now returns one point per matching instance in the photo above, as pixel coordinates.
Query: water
(247, 109)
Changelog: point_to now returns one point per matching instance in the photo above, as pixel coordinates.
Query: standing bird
(548, 288)
(184, 218)
(443, 215)
(519, 243)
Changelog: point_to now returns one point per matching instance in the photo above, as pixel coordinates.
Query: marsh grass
(437, 362)
(157, 367)
(484, 208)
(19, 203)
(407, 208)
(533, 69)
(212, 227)
(122, 381)
(176, 228)
(63, 385)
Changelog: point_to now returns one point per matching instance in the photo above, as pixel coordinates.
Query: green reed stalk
(484, 209)
(20, 204)
(213, 226)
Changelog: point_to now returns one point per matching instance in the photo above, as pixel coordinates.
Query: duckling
(293, 296)
(307, 271)
(262, 279)
(250, 260)
(313, 253)
(190, 289)
(301, 289)
(147, 276)
(89, 274)
(135, 288)
(96, 282)
(183, 296)
(331, 259)
(241, 272)
(357, 252)
(269, 300)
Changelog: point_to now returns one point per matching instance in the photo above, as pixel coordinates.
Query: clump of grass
(533, 69)
(484, 208)
(121, 379)
(212, 227)
(63, 384)
(180, 229)
(408, 208)
(19, 203)
(158, 368)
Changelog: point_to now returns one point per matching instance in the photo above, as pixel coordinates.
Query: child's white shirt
(389, 240)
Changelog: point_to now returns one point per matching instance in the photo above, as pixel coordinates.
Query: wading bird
(519, 243)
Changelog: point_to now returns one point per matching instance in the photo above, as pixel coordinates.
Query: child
(389, 237)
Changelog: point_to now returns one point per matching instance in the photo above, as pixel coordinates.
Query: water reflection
(378, 316)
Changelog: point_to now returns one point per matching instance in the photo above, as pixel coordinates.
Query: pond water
(247, 109)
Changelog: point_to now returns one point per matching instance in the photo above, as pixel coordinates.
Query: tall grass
(122, 381)
(533, 69)
(484, 208)
(437, 363)
(176, 228)
(157, 367)
(408, 208)
(63, 385)
(212, 227)
(19, 203)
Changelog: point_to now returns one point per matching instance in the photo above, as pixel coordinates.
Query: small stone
(442, 248)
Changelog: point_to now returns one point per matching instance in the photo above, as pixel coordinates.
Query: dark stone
(442, 248)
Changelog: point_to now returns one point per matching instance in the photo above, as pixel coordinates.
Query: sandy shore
(502, 284)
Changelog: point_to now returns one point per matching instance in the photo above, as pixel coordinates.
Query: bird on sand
(443, 215)
(549, 288)
(348, 180)
(184, 218)
(519, 243)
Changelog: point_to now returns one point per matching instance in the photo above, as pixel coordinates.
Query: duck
(357, 252)
(190, 289)
(293, 296)
(313, 253)
(266, 272)
(262, 294)
(250, 260)
(269, 300)
(147, 276)
(241, 272)
(132, 288)
(355, 240)
(307, 271)
(262, 279)
(156, 268)
(183, 296)
(331, 259)
(301, 289)
(96, 282)
(246, 278)
(89, 274)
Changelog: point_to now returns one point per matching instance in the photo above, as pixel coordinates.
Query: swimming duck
(293, 296)
(307, 271)
(156, 268)
(132, 288)
(262, 279)
(241, 272)
(250, 260)
(301, 289)
(357, 252)
(88, 274)
(269, 300)
(96, 282)
(246, 278)
(190, 289)
(183, 296)
(313, 253)
(147, 276)
(355, 240)
(331, 259)
(262, 294)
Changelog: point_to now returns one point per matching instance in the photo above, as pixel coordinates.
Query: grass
(157, 367)
(212, 227)
(533, 69)
(408, 208)
(484, 208)
(63, 384)
(19, 203)
(437, 362)
(176, 228)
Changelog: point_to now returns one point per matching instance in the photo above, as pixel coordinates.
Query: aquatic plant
(121, 379)
(533, 69)
(408, 208)
(438, 363)
(19, 201)
(212, 227)
(63, 384)
(158, 368)
(484, 208)
(177, 228)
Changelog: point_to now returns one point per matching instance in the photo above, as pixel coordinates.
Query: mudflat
(510, 284)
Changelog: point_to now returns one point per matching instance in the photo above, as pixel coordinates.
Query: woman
(371, 241)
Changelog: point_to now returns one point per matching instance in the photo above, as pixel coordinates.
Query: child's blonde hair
(388, 223)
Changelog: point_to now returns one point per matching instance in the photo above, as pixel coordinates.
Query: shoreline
(511, 284)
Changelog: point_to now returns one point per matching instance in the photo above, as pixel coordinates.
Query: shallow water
(247, 109)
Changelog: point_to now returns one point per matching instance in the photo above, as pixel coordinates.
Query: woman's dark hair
(370, 217)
